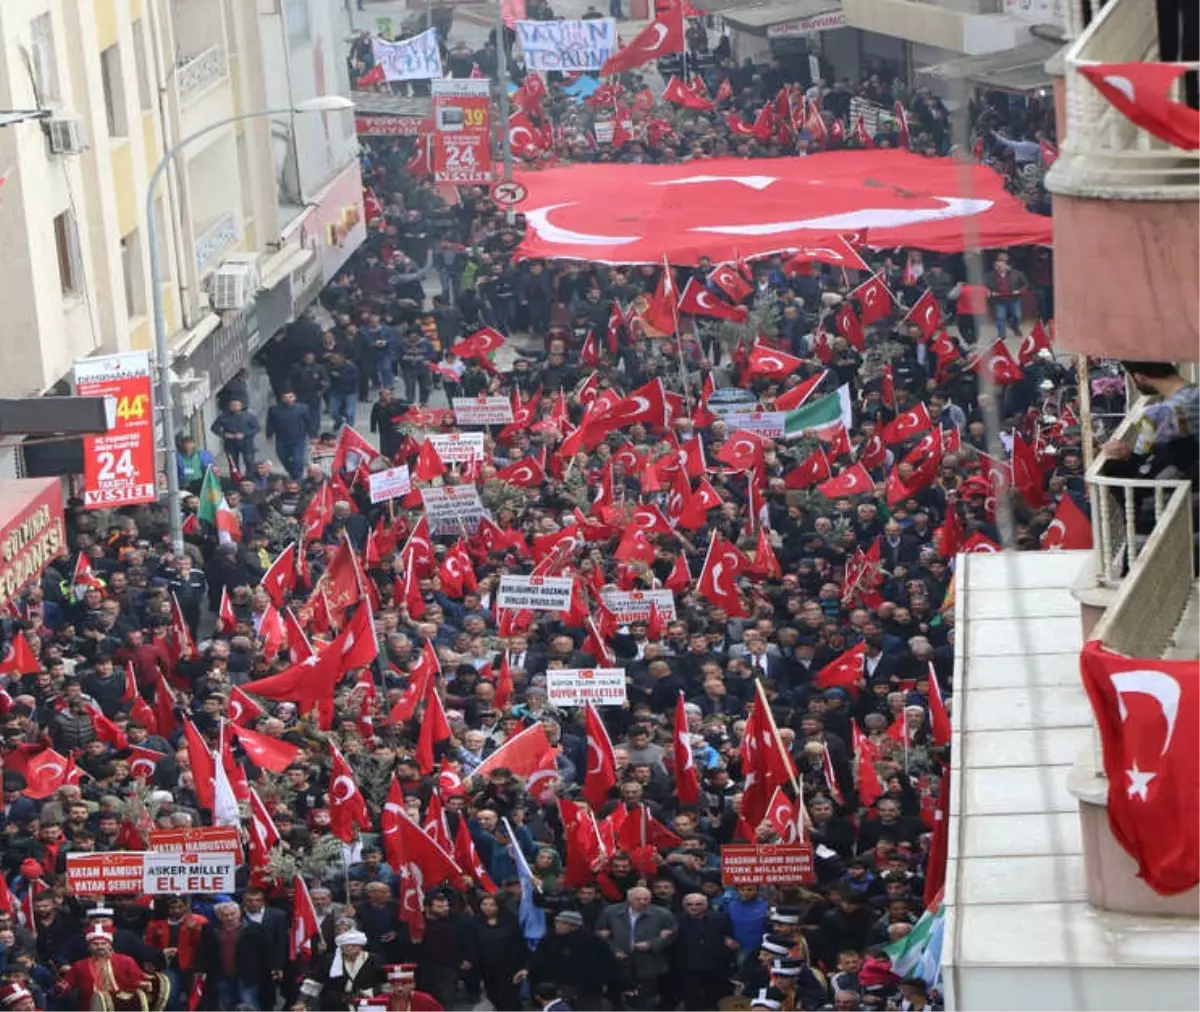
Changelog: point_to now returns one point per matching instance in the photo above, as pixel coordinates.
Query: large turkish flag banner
(730, 207)
(1148, 713)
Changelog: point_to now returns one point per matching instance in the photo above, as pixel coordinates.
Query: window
(295, 15)
(70, 261)
(41, 55)
(145, 92)
(114, 91)
(131, 269)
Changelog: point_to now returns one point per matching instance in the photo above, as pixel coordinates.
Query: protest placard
(390, 484)
(634, 605)
(116, 871)
(482, 411)
(170, 872)
(764, 863)
(576, 686)
(196, 838)
(453, 509)
(457, 447)
(415, 59)
(765, 423)
(567, 45)
(537, 593)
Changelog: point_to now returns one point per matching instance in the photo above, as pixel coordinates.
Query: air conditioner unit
(235, 282)
(65, 136)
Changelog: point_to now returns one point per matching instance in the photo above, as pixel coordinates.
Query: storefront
(794, 32)
(331, 228)
(32, 531)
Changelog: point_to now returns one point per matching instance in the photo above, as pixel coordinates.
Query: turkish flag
(794, 397)
(765, 361)
(680, 578)
(869, 787)
(678, 93)
(662, 311)
(743, 450)
(647, 405)
(660, 38)
(521, 754)
(926, 314)
(347, 806)
(939, 846)
(435, 728)
(697, 300)
(1141, 92)
(979, 544)
(1036, 340)
(45, 772)
(718, 579)
(482, 342)
(727, 278)
(1028, 478)
(860, 134)
(164, 708)
(845, 671)
(854, 480)
(765, 564)
(814, 124)
(420, 862)
(264, 751)
(353, 451)
(687, 780)
(872, 453)
(834, 251)
(304, 926)
(376, 75)
(765, 763)
(997, 363)
(838, 441)
(468, 858)
(142, 762)
(784, 815)
(525, 136)
(18, 657)
(907, 425)
(429, 464)
(202, 763)
(601, 774)
(1148, 714)
(1069, 529)
(939, 719)
(280, 577)
(876, 300)
(810, 471)
(848, 326)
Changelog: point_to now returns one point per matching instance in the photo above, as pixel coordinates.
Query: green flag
(212, 496)
(821, 415)
(916, 951)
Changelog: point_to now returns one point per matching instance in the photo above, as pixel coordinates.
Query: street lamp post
(502, 78)
(325, 103)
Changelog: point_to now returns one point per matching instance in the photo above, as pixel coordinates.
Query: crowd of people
(422, 827)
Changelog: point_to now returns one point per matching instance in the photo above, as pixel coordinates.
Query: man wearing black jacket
(703, 954)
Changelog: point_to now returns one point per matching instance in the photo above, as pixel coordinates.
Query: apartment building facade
(117, 84)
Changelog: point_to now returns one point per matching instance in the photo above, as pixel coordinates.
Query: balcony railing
(1104, 154)
(197, 73)
(1142, 528)
(215, 240)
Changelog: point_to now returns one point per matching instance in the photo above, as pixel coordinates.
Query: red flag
(376, 75)
(1028, 478)
(417, 553)
(810, 471)
(601, 774)
(765, 763)
(814, 124)
(907, 425)
(997, 363)
(979, 543)
(18, 657)
(468, 858)
(1036, 340)
(680, 578)
(939, 846)
(483, 342)
(784, 814)
(347, 806)
(264, 751)
(876, 300)
(860, 133)
(142, 762)
(678, 93)
(525, 473)
(869, 787)
(317, 514)
(280, 577)
(84, 577)
(661, 37)
(724, 91)
(902, 132)
(939, 719)
(1147, 714)
(849, 327)
(697, 300)
(45, 771)
(794, 397)
(718, 579)
(661, 312)
(743, 450)
(835, 251)
(353, 451)
(1069, 529)
(521, 754)
(687, 779)
(851, 481)
(1142, 93)
(845, 671)
(729, 280)
(202, 764)
(304, 920)
(429, 465)
(926, 314)
(647, 405)
(765, 361)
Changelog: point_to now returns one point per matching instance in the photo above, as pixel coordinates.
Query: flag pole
(788, 764)
(687, 394)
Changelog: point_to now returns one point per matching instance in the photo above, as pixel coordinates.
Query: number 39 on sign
(118, 465)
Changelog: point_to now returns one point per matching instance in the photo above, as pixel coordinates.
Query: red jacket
(158, 936)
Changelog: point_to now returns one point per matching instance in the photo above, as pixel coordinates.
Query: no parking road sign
(508, 194)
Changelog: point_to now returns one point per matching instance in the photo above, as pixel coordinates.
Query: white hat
(761, 1000)
(402, 971)
(99, 931)
(101, 912)
(786, 968)
(350, 938)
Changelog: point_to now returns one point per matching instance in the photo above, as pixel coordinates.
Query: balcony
(218, 237)
(1114, 181)
(196, 74)
(972, 27)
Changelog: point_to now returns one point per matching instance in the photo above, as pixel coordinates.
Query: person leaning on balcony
(1165, 443)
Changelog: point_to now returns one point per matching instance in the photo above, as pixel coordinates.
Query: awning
(1019, 70)
(380, 103)
(31, 531)
(786, 18)
(292, 257)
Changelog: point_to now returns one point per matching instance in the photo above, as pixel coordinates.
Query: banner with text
(764, 863)
(453, 509)
(634, 605)
(118, 465)
(462, 147)
(457, 447)
(482, 411)
(768, 424)
(537, 593)
(415, 59)
(113, 872)
(567, 45)
(169, 872)
(196, 838)
(577, 686)
(394, 483)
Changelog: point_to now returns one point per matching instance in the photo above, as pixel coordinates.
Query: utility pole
(502, 82)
